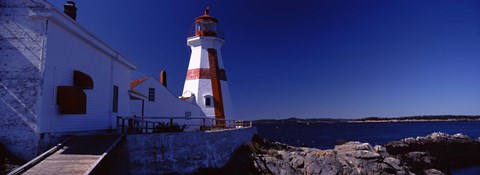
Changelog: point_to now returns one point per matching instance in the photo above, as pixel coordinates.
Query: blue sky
(312, 58)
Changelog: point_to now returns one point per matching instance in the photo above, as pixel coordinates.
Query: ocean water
(325, 135)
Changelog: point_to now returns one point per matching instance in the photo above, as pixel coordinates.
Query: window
(115, 99)
(151, 94)
(223, 76)
(208, 101)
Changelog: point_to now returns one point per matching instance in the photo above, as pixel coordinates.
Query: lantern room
(205, 25)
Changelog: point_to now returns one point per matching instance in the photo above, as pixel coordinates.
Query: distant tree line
(331, 120)
(300, 120)
(424, 117)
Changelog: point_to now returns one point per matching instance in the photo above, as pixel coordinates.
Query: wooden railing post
(117, 123)
(123, 125)
(146, 127)
(153, 127)
(130, 125)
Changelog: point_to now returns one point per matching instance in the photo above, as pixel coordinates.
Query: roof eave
(54, 14)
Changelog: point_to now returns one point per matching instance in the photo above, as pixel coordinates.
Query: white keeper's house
(57, 78)
(151, 98)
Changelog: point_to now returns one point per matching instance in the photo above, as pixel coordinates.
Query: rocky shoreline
(436, 153)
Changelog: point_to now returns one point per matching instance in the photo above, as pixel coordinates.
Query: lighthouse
(206, 78)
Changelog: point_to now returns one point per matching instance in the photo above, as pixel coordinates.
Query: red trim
(206, 17)
(205, 73)
(137, 93)
(136, 82)
(216, 87)
(205, 33)
(200, 73)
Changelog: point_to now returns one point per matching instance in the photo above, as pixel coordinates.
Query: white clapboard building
(151, 98)
(56, 77)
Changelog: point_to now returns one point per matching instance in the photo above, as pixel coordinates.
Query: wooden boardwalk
(78, 156)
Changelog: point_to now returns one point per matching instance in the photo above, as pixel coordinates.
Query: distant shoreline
(425, 118)
(413, 120)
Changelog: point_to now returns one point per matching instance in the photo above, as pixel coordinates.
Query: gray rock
(420, 157)
(393, 162)
(351, 146)
(460, 136)
(310, 158)
(330, 165)
(297, 162)
(313, 168)
(284, 155)
(361, 154)
(381, 150)
(401, 158)
(385, 169)
(364, 146)
(408, 140)
(273, 168)
(433, 172)
(436, 136)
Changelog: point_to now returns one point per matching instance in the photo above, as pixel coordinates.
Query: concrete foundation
(175, 152)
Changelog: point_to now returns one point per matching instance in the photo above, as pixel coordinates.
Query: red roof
(138, 93)
(205, 16)
(136, 82)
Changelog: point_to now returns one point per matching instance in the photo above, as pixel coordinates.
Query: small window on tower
(208, 101)
(151, 94)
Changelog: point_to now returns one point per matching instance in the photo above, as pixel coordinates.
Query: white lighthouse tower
(206, 78)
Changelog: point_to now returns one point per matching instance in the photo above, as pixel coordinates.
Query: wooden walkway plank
(77, 157)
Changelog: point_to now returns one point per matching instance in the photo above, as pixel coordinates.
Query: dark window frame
(115, 99)
(151, 94)
(208, 101)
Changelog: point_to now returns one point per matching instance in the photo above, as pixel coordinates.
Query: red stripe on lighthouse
(205, 73)
(200, 73)
(216, 87)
